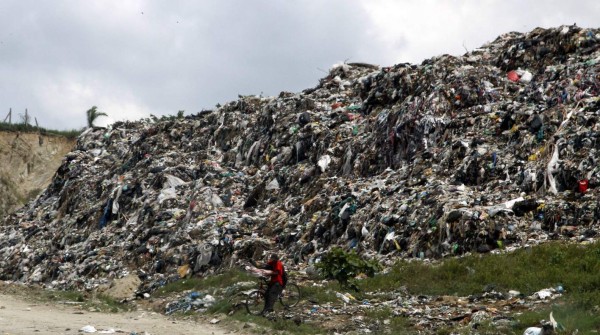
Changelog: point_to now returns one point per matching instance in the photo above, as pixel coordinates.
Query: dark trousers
(271, 296)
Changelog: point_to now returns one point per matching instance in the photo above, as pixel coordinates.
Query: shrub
(345, 266)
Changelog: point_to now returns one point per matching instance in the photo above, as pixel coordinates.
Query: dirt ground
(19, 315)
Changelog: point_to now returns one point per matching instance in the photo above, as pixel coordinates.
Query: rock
(124, 288)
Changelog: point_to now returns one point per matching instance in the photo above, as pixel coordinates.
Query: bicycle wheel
(255, 302)
(290, 296)
(237, 300)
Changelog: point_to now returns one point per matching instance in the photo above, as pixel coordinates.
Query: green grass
(396, 324)
(71, 134)
(321, 294)
(73, 296)
(279, 325)
(568, 317)
(105, 303)
(98, 302)
(575, 267)
(219, 281)
(223, 306)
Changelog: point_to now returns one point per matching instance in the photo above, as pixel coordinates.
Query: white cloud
(414, 30)
(61, 57)
(70, 96)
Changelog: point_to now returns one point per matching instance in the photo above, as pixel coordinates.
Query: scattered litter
(88, 329)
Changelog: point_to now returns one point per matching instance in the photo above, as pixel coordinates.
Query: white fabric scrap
(172, 181)
(324, 162)
(88, 329)
(273, 185)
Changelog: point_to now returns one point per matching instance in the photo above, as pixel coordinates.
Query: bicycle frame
(256, 298)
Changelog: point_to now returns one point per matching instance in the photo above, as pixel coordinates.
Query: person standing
(274, 268)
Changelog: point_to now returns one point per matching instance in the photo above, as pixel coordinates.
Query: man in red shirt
(274, 268)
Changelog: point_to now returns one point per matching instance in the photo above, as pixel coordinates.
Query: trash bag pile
(492, 150)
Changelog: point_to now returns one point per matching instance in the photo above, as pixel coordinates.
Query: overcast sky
(133, 58)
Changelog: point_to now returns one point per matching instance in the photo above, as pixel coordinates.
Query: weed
(320, 294)
(391, 323)
(108, 304)
(179, 286)
(73, 296)
(286, 326)
(223, 280)
(344, 266)
(220, 306)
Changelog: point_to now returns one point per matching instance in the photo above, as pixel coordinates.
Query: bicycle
(289, 297)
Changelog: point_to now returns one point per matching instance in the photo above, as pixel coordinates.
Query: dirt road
(20, 317)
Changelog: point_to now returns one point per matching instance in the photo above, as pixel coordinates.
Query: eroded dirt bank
(27, 163)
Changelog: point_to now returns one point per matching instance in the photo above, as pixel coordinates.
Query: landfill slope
(27, 164)
(492, 150)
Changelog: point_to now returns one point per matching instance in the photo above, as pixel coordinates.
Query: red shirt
(277, 268)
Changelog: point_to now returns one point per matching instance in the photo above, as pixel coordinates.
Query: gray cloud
(136, 58)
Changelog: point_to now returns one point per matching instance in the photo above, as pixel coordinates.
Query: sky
(134, 58)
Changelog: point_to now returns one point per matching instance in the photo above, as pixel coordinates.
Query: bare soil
(22, 315)
(28, 162)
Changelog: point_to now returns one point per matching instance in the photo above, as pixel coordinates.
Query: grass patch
(70, 134)
(220, 306)
(321, 294)
(569, 314)
(105, 303)
(389, 322)
(14, 127)
(219, 281)
(284, 326)
(569, 318)
(574, 266)
(72, 296)
(98, 302)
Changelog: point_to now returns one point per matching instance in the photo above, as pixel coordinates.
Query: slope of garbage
(492, 150)
(27, 165)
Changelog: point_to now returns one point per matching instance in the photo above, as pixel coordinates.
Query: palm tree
(92, 115)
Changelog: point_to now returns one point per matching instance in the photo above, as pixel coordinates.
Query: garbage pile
(427, 314)
(495, 149)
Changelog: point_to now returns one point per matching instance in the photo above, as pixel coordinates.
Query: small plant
(92, 114)
(344, 266)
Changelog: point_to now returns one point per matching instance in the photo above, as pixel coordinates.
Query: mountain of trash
(493, 150)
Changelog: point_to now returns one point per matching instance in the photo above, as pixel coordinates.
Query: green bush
(345, 266)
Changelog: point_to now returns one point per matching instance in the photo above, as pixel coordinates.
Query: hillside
(28, 162)
(462, 154)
